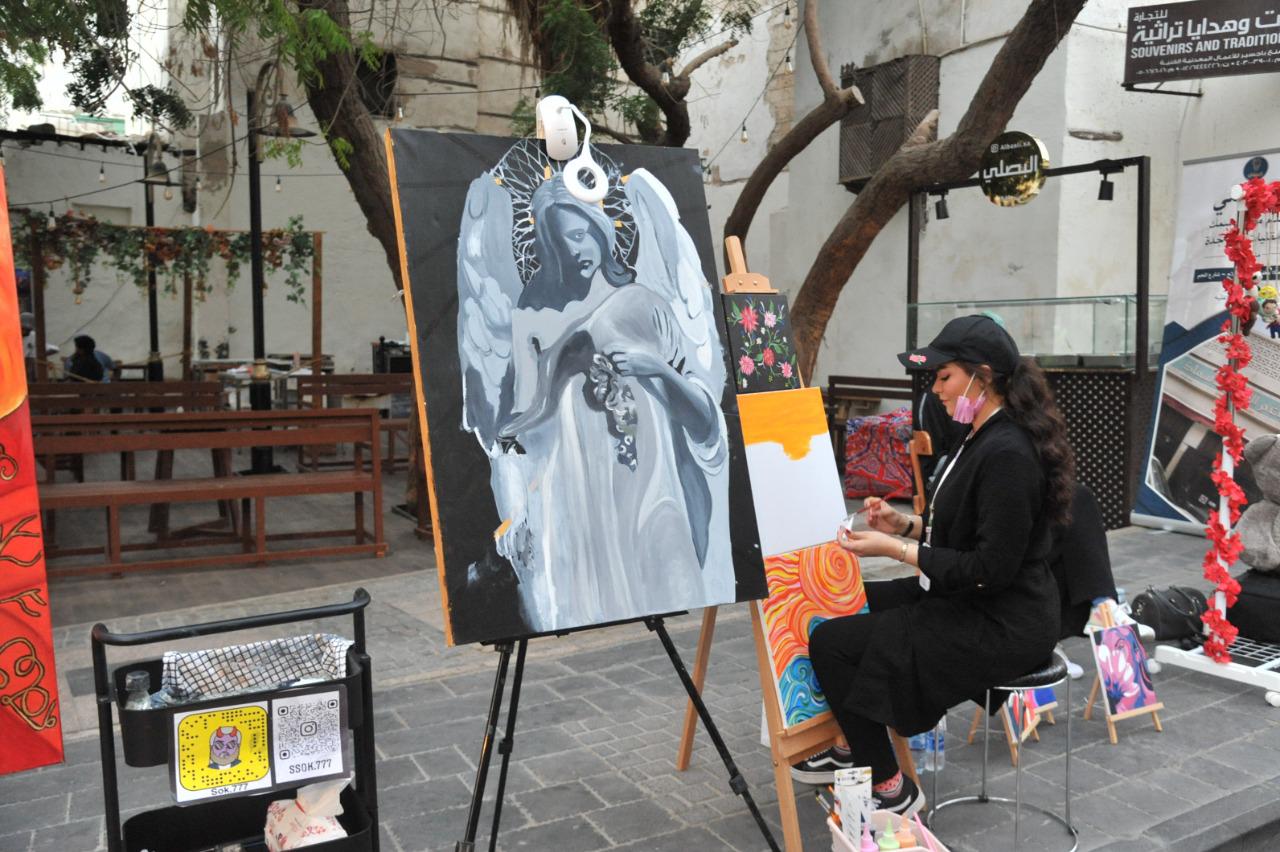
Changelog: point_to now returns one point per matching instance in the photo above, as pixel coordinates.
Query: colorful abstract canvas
(1022, 712)
(581, 429)
(30, 719)
(1122, 668)
(764, 357)
(794, 481)
(806, 587)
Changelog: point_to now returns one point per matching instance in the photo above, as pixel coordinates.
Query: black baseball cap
(976, 339)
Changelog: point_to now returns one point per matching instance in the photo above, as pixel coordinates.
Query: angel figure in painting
(592, 376)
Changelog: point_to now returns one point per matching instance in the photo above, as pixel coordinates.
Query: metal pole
(155, 367)
(1143, 285)
(260, 384)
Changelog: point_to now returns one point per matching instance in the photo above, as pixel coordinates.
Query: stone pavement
(599, 720)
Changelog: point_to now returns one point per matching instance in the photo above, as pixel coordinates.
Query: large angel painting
(584, 453)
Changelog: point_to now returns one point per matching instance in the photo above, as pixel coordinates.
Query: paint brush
(827, 807)
(928, 840)
(897, 492)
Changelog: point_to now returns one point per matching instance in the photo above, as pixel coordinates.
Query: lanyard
(928, 531)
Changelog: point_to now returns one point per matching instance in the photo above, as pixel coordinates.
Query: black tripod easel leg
(507, 742)
(737, 783)
(468, 842)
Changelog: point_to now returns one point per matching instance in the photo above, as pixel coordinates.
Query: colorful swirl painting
(806, 587)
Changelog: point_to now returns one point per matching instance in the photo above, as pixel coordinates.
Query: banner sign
(30, 721)
(1203, 38)
(1176, 482)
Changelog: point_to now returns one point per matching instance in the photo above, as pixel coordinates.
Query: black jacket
(991, 613)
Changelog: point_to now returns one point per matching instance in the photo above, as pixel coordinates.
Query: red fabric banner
(30, 721)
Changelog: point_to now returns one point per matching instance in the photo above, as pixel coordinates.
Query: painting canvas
(1022, 713)
(1122, 668)
(30, 718)
(806, 587)
(764, 358)
(793, 470)
(584, 453)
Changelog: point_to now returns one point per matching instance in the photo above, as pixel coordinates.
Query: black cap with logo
(976, 339)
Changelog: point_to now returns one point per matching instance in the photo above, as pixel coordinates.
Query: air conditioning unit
(898, 95)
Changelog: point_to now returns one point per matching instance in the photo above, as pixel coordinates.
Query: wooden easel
(786, 745)
(1045, 713)
(1097, 686)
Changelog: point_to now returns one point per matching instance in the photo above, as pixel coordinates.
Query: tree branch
(616, 134)
(835, 105)
(627, 38)
(913, 167)
(706, 56)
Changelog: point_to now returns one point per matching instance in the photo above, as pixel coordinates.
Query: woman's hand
(869, 543)
(638, 363)
(883, 517)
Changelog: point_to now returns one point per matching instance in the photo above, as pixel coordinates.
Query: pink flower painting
(1122, 666)
(760, 333)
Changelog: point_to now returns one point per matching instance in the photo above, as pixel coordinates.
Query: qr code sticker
(307, 734)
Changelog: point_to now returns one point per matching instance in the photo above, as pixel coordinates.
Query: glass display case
(1078, 331)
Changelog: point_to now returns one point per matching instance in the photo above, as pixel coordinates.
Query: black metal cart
(146, 736)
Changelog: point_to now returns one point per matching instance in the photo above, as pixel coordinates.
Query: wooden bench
(71, 397)
(219, 432)
(845, 394)
(316, 392)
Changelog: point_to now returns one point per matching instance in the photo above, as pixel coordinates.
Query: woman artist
(983, 608)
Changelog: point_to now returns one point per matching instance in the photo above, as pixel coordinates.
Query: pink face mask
(967, 409)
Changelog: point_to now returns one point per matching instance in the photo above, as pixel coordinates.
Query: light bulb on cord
(53, 220)
(199, 183)
(279, 186)
(786, 17)
(399, 112)
(790, 67)
(666, 75)
(744, 131)
(102, 173)
(168, 193)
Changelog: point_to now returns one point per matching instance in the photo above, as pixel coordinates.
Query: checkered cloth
(257, 666)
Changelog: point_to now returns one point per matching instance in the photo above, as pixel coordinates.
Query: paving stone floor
(599, 720)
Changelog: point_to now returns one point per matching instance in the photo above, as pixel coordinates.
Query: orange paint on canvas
(791, 418)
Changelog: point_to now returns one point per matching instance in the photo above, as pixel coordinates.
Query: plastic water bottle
(917, 746)
(137, 687)
(940, 747)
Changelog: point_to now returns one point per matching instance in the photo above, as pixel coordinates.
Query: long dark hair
(1030, 404)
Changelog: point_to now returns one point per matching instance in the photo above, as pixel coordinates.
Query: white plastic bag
(308, 819)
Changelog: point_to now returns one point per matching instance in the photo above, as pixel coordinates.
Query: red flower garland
(1234, 394)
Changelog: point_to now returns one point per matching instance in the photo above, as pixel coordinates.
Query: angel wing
(667, 263)
(488, 288)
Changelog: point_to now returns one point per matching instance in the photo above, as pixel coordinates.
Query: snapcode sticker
(306, 736)
(221, 752)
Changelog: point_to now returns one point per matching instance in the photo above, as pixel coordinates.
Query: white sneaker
(1074, 670)
(1119, 617)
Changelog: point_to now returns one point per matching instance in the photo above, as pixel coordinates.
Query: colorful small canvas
(760, 340)
(1122, 668)
(1023, 713)
(806, 587)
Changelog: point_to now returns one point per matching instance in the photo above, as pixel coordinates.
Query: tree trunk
(336, 102)
(915, 167)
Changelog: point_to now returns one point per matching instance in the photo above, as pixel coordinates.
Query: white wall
(1063, 243)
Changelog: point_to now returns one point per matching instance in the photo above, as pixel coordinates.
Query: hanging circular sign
(1012, 169)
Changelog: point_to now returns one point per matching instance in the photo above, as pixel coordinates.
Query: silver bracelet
(903, 557)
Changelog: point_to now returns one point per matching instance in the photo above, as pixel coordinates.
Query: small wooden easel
(1097, 685)
(787, 745)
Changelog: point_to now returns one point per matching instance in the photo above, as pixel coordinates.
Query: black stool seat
(1051, 671)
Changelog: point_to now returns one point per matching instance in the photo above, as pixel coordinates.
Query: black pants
(836, 649)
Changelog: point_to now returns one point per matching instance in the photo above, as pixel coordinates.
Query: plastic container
(880, 819)
(918, 746)
(935, 746)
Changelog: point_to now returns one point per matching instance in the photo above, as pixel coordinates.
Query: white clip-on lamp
(555, 126)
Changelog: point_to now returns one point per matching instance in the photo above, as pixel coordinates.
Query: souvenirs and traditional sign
(581, 431)
(1202, 38)
(1012, 169)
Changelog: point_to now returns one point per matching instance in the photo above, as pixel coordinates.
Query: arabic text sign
(1202, 38)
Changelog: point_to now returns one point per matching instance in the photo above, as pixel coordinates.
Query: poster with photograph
(1176, 483)
(582, 439)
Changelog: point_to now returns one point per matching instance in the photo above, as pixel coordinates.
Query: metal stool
(1051, 673)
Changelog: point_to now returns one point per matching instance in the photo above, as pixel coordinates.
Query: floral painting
(1122, 667)
(760, 337)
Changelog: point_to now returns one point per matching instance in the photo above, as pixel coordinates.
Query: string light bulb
(199, 183)
(744, 132)
(786, 17)
(399, 112)
(168, 193)
(666, 76)
(279, 186)
(53, 220)
(102, 173)
(790, 68)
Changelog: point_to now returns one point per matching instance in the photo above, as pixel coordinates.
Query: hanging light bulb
(102, 173)
(790, 67)
(279, 186)
(399, 111)
(168, 193)
(199, 183)
(786, 17)
(666, 74)
(53, 220)
(744, 131)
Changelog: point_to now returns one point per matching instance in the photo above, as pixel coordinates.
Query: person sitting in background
(84, 363)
